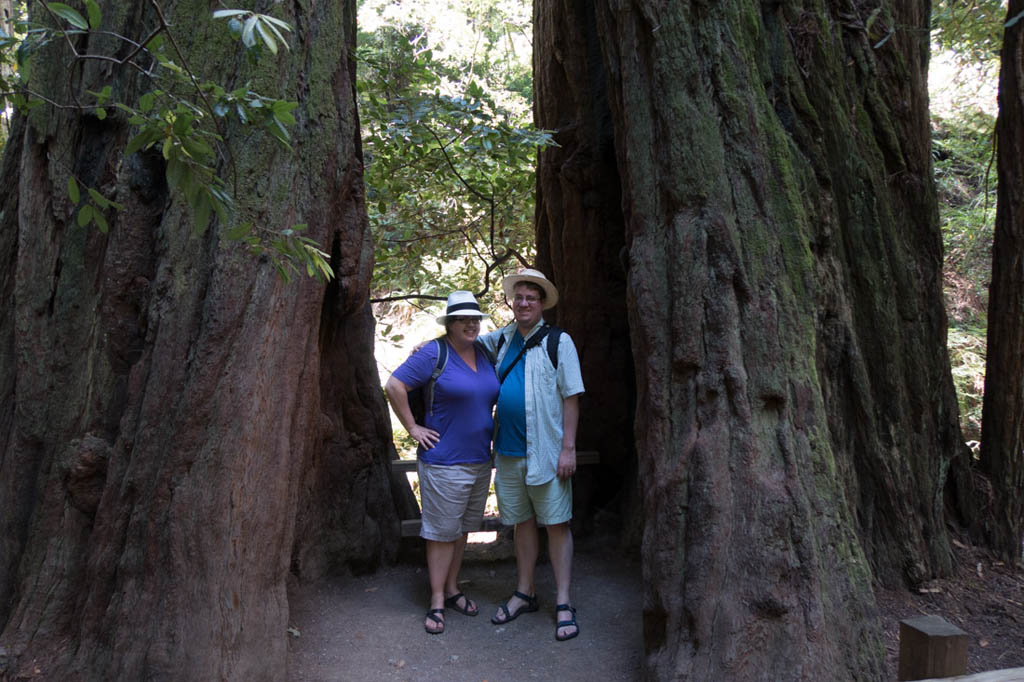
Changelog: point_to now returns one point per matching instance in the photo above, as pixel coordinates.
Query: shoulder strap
(483, 349)
(439, 365)
(554, 336)
(534, 340)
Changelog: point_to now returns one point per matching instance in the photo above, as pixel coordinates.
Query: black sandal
(431, 615)
(452, 603)
(529, 607)
(566, 623)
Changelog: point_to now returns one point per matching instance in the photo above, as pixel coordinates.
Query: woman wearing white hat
(453, 458)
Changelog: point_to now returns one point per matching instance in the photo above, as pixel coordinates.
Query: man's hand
(567, 461)
(428, 437)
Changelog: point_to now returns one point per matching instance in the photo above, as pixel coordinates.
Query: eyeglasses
(466, 320)
(527, 300)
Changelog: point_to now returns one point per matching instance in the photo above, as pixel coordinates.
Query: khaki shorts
(453, 499)
(550, 502)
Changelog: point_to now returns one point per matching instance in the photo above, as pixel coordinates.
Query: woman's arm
(398, 396)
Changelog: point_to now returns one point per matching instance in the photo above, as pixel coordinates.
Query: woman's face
(463, 328)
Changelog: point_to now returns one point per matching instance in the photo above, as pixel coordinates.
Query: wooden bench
(411, 527)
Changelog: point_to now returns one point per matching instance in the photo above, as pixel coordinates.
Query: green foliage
(450, 154)
(967, 358)
(965, 180)
(183, 117)
(970, 29)
(962, 147)
(248, 26)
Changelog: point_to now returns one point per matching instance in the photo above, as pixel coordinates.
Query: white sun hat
(461, 304)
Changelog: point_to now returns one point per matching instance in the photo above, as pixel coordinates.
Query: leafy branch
(184, 117)
(449, 170)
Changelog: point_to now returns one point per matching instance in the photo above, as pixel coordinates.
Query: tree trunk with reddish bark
(179, 429)
(581, 245)
(795, 413)
(1002, 439)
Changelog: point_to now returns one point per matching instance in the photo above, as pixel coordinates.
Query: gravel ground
(371, 627)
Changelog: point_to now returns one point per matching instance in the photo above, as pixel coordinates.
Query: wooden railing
(411, 527)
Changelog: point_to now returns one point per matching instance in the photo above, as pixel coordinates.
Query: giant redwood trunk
(1002, 439)
(795, 415)
(178, 427)
(581, 244)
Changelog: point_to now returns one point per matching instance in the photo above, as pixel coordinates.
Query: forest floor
(370, 628)
(984, 597)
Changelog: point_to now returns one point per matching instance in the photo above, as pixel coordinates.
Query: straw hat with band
(461, 304)
(536, 277)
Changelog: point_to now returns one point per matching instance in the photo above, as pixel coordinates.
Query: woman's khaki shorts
(453, 499)
(550, 502)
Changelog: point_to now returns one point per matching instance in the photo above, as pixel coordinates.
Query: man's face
(527, 305)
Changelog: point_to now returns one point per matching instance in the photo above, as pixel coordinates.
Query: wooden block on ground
(1006, 675)
(931, 646)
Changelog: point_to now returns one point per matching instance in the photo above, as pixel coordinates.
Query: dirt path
(371, 628)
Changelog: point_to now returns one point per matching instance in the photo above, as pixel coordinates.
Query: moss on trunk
(181, 429)
(795, 414)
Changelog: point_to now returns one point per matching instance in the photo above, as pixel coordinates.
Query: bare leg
(560, 549)
(527, 548)
(439, 561)
(451, 583)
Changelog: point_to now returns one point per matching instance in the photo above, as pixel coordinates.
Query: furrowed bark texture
(581, 245)
(795, 413)
(1002, 459)
(179, 427)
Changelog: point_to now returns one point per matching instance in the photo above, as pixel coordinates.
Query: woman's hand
(427, 438)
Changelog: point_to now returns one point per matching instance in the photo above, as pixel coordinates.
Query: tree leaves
(972, 32)
(182, 117)
(95, 16)
(255, 29)
(449, 171)
(68, 14)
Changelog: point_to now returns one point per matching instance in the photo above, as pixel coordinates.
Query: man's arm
(490, 340)
(570, 419)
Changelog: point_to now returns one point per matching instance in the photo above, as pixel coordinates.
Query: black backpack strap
(442, 362)
(534, 340)
(554, 336)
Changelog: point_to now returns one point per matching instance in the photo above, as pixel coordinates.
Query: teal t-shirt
(511, 410)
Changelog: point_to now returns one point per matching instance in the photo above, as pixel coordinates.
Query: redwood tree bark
(795, 412)
(581, 245)
(1002, 440)
(179, 428)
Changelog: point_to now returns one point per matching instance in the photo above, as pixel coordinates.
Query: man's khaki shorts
(550, 502)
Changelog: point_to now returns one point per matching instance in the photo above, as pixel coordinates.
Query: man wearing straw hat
(535, 443)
